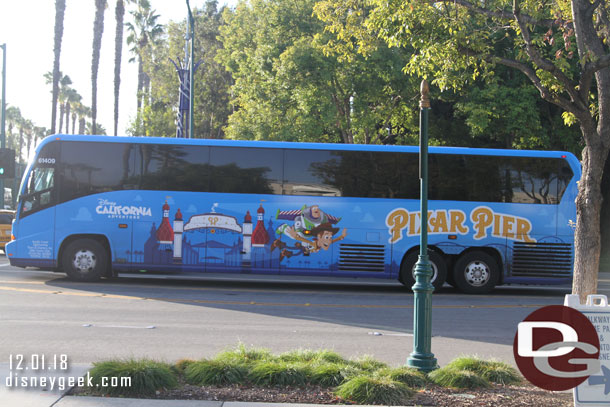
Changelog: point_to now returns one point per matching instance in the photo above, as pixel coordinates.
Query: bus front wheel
(476, 272)
(439, 269)
(85, 260)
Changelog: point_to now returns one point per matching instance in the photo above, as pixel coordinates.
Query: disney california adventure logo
(114, 211)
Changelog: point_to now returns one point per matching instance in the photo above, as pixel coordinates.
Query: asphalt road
(173, 318)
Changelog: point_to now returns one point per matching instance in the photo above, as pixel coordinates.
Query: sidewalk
(75, 401)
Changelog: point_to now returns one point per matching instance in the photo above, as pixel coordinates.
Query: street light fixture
(422, 357)
(191, 35)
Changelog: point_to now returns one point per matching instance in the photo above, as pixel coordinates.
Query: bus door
(36, 210)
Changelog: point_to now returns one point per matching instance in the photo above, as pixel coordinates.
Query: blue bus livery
(96, 205)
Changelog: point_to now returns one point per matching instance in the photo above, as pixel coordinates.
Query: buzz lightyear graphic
(312, 229)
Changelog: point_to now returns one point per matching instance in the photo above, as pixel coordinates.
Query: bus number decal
(43, 160)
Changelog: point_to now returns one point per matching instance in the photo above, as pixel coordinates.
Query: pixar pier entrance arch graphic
(211, 239)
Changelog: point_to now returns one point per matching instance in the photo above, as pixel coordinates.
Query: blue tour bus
(96, 206)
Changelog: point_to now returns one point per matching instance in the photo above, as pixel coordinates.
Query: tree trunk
(68, 117)
(60, 9)
(98, 30)
(587, 241)
(118, 49)
(81, 125)
(61, 117)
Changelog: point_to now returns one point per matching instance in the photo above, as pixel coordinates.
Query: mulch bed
(495, 396)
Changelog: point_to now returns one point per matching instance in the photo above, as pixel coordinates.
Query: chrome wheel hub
(477, 273)
(84, 261)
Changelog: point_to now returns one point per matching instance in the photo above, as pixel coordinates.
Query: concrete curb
(81, 401)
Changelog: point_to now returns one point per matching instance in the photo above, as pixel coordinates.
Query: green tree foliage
(158, 114)
(560, 46)
(292, 84)
(482, 109)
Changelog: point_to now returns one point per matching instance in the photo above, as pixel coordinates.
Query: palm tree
(63, 86)
(64, 90)
(71, 97)
(13, 119)
(82, 112)
(60, 9)
(143, 33)
(39, 133)
(25, 130)
(119, 13)
(98, 30)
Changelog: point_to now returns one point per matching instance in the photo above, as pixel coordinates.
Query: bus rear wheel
(476, 272)
(85, 260)
(439, 269)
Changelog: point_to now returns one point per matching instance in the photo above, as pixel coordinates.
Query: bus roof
(574, 163)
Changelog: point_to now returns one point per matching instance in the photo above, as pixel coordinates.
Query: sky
(27, 29)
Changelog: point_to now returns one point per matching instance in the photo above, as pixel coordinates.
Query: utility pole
(191, 36)
(3, 118)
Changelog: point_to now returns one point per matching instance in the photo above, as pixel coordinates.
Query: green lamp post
(422, 357)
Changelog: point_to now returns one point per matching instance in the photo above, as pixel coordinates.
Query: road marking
(263, 304)
(118, 326)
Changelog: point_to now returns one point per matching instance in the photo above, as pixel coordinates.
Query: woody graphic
(313, 230)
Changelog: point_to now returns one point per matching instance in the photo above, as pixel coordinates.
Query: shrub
(493, 371)
(277, 373)
(406, 375)
(327, 374)
(215, 372)
(241, 354)
(462, 379)
(182, 364)
(147, 376)
(375, 390)
(306, 355)
(368, 364)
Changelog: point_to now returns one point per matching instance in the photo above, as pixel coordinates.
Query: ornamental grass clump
(215, 372)
(181, 365)
(312, 356)
(406, 375)
(375, 390)
(145, 377)
(493, 371)
(278, 373)
(327, 374)
(461, 379)
(243, 355)
(368, 364)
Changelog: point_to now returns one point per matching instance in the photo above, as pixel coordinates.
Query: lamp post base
(424, 362)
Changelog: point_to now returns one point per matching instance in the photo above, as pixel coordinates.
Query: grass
(363, 381)
(215, 372)
(279, 373)
(406, 375)
(493, 371)
(460, 379)
(375, 390)
(147, 376)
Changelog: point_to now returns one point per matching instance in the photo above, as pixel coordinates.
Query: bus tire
(85, 260)
(476, 272)
(439, 269)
